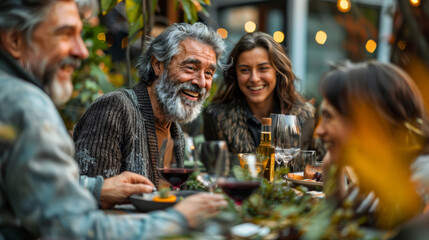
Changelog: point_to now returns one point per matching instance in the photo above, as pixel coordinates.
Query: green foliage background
(96, 76)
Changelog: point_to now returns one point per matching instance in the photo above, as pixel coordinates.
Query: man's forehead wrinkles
(199, 62)
(191, 60)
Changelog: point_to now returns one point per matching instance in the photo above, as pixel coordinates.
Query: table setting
(275, 210)
(284, 208)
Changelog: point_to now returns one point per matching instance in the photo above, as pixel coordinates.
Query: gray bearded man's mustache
(74, 62)
(190, 87)
(49, 75)
(59, 92)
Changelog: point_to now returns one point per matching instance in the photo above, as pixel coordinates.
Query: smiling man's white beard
(175, 107)
(60, 92)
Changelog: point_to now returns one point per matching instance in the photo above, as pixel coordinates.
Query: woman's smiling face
(334, 129)
(256, 76)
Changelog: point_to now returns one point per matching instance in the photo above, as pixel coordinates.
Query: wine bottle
(265, 150)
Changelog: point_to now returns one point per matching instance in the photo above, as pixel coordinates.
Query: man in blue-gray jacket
(40, 194)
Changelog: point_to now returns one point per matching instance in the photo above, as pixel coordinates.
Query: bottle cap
(266, 121)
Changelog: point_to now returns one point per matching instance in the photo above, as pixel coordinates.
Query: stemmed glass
(173, 166)
(237, 189)
(252, 163)
(305, 157)
(216, 159)
(214, 155)
(286, 137)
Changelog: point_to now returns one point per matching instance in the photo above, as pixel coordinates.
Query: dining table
(287, 210)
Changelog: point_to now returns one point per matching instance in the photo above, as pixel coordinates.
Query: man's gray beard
(175, 107)
(59, 92)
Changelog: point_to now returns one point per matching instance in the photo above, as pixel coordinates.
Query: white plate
(304, 182)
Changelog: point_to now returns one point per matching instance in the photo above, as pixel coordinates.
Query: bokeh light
(321, 37)
(124, 42)
(415, 3)
(250, 26)
(278, 36)
(223, 33)
(401, 45)
(101, 37)
(370, 46)
(344, 5)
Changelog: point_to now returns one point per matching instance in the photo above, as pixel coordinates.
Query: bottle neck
(266, 128)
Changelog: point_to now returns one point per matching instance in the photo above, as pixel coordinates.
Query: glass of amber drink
(252, 163)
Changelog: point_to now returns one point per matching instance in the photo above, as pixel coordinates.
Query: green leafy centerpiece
(290, 212)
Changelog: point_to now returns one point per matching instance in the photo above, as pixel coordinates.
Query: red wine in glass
(175, 176)
(238, 190)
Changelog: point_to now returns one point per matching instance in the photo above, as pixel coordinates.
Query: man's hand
(116, 190)
(200, 206)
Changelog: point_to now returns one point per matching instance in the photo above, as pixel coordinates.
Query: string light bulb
(250, 26)
(415, 3)
(370, 46)
(321, 37)
(401, 45)
(278, 36)
(223, 33)
(344, 5)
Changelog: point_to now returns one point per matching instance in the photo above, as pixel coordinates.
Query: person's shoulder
(116, 99)
(304, 107)
(109, 107)
(217, 107)
(113, 95)
(17, 93)
(213, 106)
(26, 104)
(303, 110)
(213, 110)
(11, 86)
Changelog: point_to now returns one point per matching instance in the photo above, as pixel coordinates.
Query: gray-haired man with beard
(122, 130)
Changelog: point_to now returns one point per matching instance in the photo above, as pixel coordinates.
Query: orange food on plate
(295, 176)
(169, 199)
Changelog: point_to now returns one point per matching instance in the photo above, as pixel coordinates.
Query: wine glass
(252, 163)
(305, 157)
(286, 137)
(214, 156)
(236, 189)
(173, 165)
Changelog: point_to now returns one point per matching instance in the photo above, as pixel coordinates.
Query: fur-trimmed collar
(232, 123)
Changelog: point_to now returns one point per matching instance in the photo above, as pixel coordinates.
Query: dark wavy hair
(383, 86)
(285, 88)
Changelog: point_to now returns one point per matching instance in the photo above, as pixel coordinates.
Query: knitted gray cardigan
(117, 133)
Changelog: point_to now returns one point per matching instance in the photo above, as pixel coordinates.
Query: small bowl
(144, 202)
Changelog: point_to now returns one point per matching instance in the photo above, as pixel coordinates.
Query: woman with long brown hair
(259, 81)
